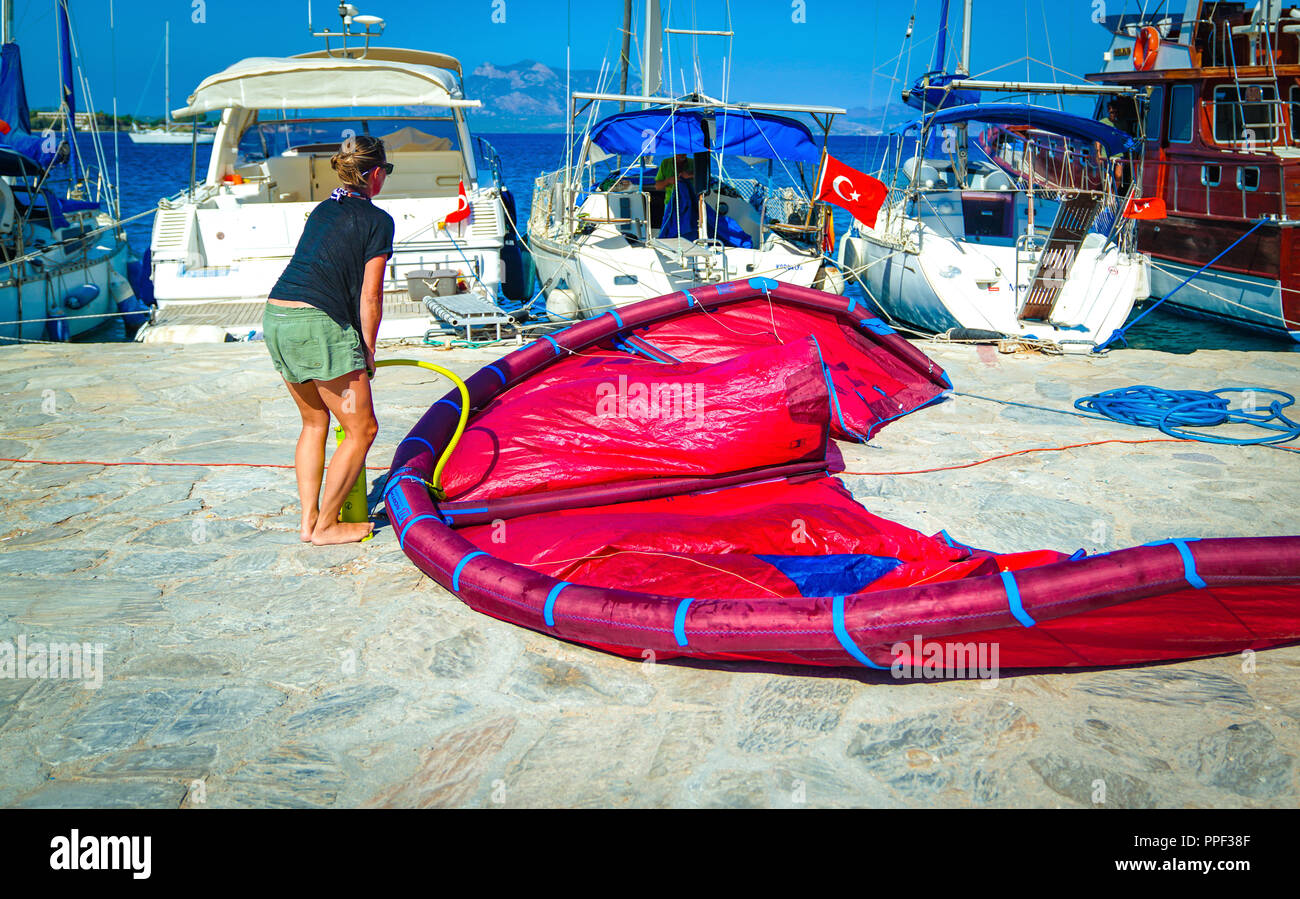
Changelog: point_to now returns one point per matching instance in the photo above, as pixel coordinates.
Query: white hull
(936, 282)
(39, 295)
(605, 272)
(167, 137)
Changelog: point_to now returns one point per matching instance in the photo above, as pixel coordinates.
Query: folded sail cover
(665, 132)
(1041, 117)
(659, 478)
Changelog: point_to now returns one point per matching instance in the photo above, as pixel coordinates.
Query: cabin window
(1211, 175)
(1154, 113)
(1248, 177)
(1245, 113)
(1182, 112)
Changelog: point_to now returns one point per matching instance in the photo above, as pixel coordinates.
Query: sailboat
(972, 244)
(63, 251)
(684, 191)
(168, 133)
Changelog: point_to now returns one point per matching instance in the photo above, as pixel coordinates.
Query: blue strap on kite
(401, 537)
(679, 622)
(455, 575)
(876, 326)
(454, 405)
(499, 372)
(614, 312)
(852, 302)
(548, 610)
(420, 440)
(1189, 563)
(1013, 599)
(842, 634)
(551, 339)
(1077, 555)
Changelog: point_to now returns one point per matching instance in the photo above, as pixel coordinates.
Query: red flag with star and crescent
(1148, 208)
(850, 189)
(463, 208)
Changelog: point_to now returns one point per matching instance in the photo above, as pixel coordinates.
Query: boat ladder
(1072, 223)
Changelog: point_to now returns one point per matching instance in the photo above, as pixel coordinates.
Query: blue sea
(146, 172)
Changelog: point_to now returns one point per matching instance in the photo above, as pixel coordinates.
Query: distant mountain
(873, 119)
(530, 96)
(526, 96)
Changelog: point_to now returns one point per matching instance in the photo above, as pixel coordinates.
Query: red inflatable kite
(660, 478)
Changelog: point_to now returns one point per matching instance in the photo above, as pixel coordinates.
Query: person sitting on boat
(673, 169)
(320, 325)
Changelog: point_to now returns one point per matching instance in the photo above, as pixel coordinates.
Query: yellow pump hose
(355, 508)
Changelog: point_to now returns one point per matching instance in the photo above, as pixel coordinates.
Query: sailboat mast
(167, 74)
(645, 51)
(964, 69)
(627, 50)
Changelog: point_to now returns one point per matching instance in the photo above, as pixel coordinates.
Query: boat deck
(242, 320)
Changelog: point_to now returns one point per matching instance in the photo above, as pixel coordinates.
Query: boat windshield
(319, 134)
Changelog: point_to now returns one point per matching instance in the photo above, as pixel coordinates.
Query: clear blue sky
(829, 58)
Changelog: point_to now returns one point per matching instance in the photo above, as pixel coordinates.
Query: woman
(321, 324)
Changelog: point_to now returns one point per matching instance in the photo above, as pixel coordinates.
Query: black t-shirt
(328, 265)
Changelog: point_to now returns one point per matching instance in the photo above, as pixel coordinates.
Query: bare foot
(308, 525)
(341, 532)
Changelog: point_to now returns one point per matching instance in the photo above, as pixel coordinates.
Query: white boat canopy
(266, 82)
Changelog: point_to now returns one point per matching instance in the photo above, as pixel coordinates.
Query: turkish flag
(462, 210)
(1140, 208)
(850, 189)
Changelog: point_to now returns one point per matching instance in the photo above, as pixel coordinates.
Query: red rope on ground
(1036, 449)
(192, 464)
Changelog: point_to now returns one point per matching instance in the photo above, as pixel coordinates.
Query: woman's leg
(309, 458)
(348, 397)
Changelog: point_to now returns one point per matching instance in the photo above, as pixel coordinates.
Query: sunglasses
(386, 166)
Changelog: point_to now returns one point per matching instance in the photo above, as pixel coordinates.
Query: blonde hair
(357, 155)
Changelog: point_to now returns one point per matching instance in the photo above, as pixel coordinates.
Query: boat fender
(508, 202)
(56, 329)
(514, 273)
(134, 313)
(1146, 49)
(81, 296)
(974, 334)
(6, 209)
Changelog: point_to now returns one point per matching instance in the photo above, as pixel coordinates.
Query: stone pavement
(242, 668)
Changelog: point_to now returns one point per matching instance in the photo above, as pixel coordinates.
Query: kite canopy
(1039, 117)
(660, 478)
(731, 132)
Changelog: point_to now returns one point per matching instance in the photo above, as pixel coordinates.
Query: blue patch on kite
(832, 574)
(397, 506)
(763, 284)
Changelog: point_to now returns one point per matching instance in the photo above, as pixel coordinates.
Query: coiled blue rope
(1174, 411)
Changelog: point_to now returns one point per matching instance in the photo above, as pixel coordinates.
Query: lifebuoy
(1146, 49)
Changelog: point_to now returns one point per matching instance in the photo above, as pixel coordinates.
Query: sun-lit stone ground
(242, 668)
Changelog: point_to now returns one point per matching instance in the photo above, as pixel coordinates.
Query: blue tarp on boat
(1053, 120)
(665, 132)
(13, 109)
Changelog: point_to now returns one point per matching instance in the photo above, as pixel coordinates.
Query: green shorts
(307, 345)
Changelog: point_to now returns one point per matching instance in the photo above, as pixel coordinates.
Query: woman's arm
(372, 306)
